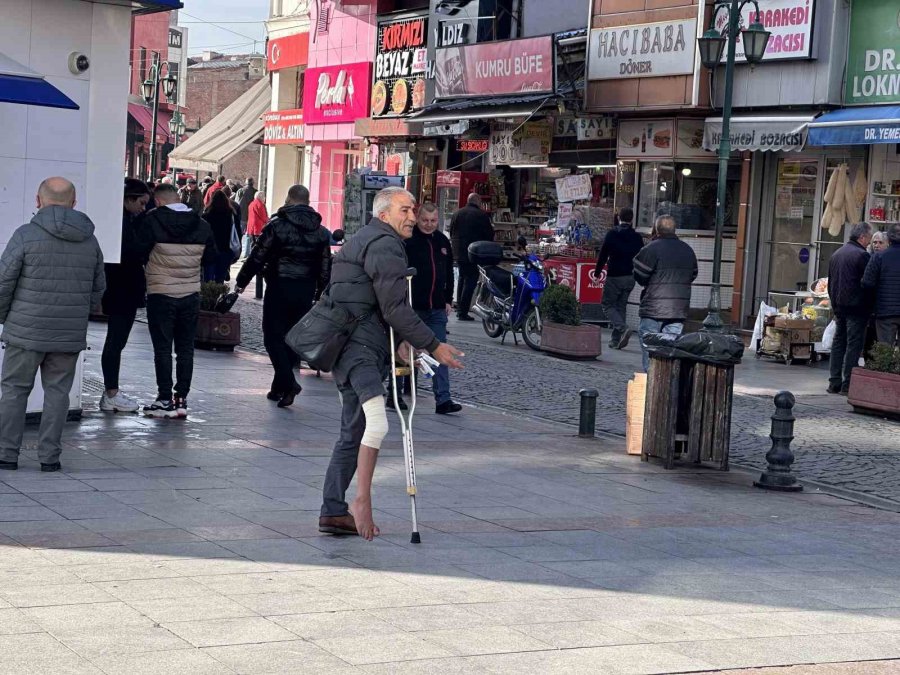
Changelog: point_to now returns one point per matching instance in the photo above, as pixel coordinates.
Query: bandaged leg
(376, 423)
(376, 430)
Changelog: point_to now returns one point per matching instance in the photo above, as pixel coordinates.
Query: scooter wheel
(493, 330)
(531, 331)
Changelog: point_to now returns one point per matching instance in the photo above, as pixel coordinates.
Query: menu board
(646, 139)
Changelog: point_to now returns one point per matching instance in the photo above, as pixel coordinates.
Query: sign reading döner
(495, 68)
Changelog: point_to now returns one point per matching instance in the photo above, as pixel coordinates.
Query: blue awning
(20, 84)
(857, 126)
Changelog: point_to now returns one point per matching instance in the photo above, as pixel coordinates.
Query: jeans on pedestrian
(247, 244)
(849, 335)
(615, 303)
(668, 326)
(118, 328)
(436, 320)
(465, 287)
(20, 367)
(219, 269)
(285, 303)
(173, 321)
(888, 329)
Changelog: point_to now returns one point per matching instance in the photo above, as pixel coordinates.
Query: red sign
(590, 287)
(336, 93)
(495, 68)
(283, 127)
(287, 52)
(472, 145)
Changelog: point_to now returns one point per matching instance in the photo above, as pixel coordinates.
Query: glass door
(794, 219)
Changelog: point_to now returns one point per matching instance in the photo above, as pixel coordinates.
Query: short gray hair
(880, 236)
(429, 207)
(860, 230)
(665, 224)
(385, 198)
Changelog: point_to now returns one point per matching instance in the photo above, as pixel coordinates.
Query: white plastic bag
(828, 337)
(764, 311)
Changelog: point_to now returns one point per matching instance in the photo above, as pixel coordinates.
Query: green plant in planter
(209, 293)
(559, 305)
(884, 358)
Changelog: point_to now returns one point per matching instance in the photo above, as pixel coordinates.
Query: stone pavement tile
(194, 608)
(482, 640)
(153, 536)
(64, 618)
(15, 621)
(757, 624)
(432, 617)
(109, 640)
(21, 575)
(200, 567)
(349, 624)
(61, 594)
(42, 653)
(172, 662)
(80, 539)
(255, 582)
(521, 571)
(234, 532)
(547, 553)
(289, 657)
(575, 634)
(859, 598)
(16, 499)
(34, 486)
(152, 589)
(394, 647)
(673, 629)
(142, 569)
(191, 547)
(92, 555)
(302, 602)
(449, 666)
(231, 631)
(278, 552)
(538, 611)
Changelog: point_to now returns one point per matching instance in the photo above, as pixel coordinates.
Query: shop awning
(760, 133)
(484, 108)
(227, 133)
(857, 126)
(19, 84)
(144, 118)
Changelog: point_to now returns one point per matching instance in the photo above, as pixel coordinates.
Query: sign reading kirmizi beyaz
(643, 50)
(873, 60)
(400, 66)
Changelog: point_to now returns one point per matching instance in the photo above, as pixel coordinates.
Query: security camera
(78, 63)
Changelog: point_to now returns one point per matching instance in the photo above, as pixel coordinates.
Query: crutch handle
(403, 371)
(411, 272)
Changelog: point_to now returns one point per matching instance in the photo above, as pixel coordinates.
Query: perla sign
(643, 50)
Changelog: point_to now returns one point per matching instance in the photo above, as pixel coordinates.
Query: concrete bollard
(777, 475)
(587, 417)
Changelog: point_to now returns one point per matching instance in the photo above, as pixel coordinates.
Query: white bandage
(376, 422)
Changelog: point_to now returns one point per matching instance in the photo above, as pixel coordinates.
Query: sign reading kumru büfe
(873, 59)
(643, 50)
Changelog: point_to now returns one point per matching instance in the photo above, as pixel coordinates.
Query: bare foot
(362, 515)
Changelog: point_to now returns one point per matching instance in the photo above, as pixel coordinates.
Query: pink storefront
(336, 92)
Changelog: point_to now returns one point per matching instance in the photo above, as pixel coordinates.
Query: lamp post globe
(169, 85)
(147, 90)
(755, 38)
(711, 46)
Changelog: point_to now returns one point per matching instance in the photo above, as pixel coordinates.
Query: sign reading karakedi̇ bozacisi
(643, 50)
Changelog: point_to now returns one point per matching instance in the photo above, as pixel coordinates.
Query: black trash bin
(690, 385)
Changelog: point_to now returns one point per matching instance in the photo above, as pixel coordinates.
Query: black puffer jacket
(293, 245)
(430, 254)
(126, 285)
(845, 272)
(666, 268)
(883, 276)
(468, 225)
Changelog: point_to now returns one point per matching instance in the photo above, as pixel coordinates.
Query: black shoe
(626, 336)
(390, 403)
(47, 468)
(274, 396)
(844, 391)
(287, 400)
(9, 466)
(833, 390)
(464, 317)
(447, 408)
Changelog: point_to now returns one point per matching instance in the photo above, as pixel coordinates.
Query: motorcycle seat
(501, 279)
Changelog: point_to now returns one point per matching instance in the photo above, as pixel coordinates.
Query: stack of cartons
(636, 395)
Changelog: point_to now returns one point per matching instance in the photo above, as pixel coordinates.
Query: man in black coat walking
(883, 276)
(850, 305)
(620, 246)
(468, 225)
(293, 253)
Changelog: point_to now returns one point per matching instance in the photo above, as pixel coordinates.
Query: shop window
(792, 225)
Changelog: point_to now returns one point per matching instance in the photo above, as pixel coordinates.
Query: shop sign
(645, 139)
(590, 286)
(446, 178)
(175, 38)
(563, 214)
(387, 127)
(526, 144)
(758, 133)
(287, 52)
(592, 128)
(644, 50)
(789, 21)
(495, 68)
(453, 34)
(689, 139)
(400, 67)
(472, 144)
(873, 60)
(283, 127)
(572, 188)
(336, 93)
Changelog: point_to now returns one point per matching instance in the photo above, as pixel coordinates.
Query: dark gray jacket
(845, 272)
(883, 276)
(51, 275)
(666, 268)
(368, 276)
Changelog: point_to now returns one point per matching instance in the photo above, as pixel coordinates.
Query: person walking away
(368, 279)
(257, 217)
(666, 268)
(51, 275)
(430, 253)
(244, 199)
(882, 276)
(190, 196)
(468, 225)
(213, 189)
(126, 290)
(221, 218)
(851, 306)
(619, 248)
(294, 255)
(177, 243)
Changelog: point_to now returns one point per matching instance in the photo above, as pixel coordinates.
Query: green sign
(873, 62)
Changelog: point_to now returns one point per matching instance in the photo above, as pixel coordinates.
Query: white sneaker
(118, 403)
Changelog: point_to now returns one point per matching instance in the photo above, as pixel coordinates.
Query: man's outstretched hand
(446, 355)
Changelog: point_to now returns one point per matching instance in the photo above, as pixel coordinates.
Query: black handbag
(320, 336)
(225, 302)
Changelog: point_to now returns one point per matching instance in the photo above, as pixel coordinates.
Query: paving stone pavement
(833, 446)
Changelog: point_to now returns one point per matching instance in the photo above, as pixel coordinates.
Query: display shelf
(885, 222)
(884, 195)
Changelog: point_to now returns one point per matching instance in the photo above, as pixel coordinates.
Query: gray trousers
(20, 367)
(615, 302)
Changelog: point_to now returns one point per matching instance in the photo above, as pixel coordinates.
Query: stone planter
(574, 342)
(218, 332)
(874, 393)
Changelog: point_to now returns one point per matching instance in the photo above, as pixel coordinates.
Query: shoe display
(180, 407)
(9, 466)
(626, 336)
(464, 317)
(447, 408)
(53, 466)
(161, 409)
(338, 525)
(118, 403)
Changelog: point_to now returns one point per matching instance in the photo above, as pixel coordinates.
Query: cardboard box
(634, 413)
(782, 321)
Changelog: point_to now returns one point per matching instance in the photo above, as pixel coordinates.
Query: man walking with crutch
(369, 279)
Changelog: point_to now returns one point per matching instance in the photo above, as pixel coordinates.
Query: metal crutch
(406, 420)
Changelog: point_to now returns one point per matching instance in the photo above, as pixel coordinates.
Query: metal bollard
(777, 475)
(587, 417)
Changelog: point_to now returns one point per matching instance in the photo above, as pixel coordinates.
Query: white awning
(759, 133)
(227, 133)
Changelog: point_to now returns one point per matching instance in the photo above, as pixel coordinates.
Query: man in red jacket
(213, 189)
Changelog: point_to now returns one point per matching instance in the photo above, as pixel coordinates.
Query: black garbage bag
(716, 348)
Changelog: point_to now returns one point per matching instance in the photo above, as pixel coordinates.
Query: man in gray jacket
(368, 278)
(51, 275)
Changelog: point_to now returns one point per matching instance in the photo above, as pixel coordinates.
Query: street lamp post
(176, 129)
(755, 38)
(150, 90)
